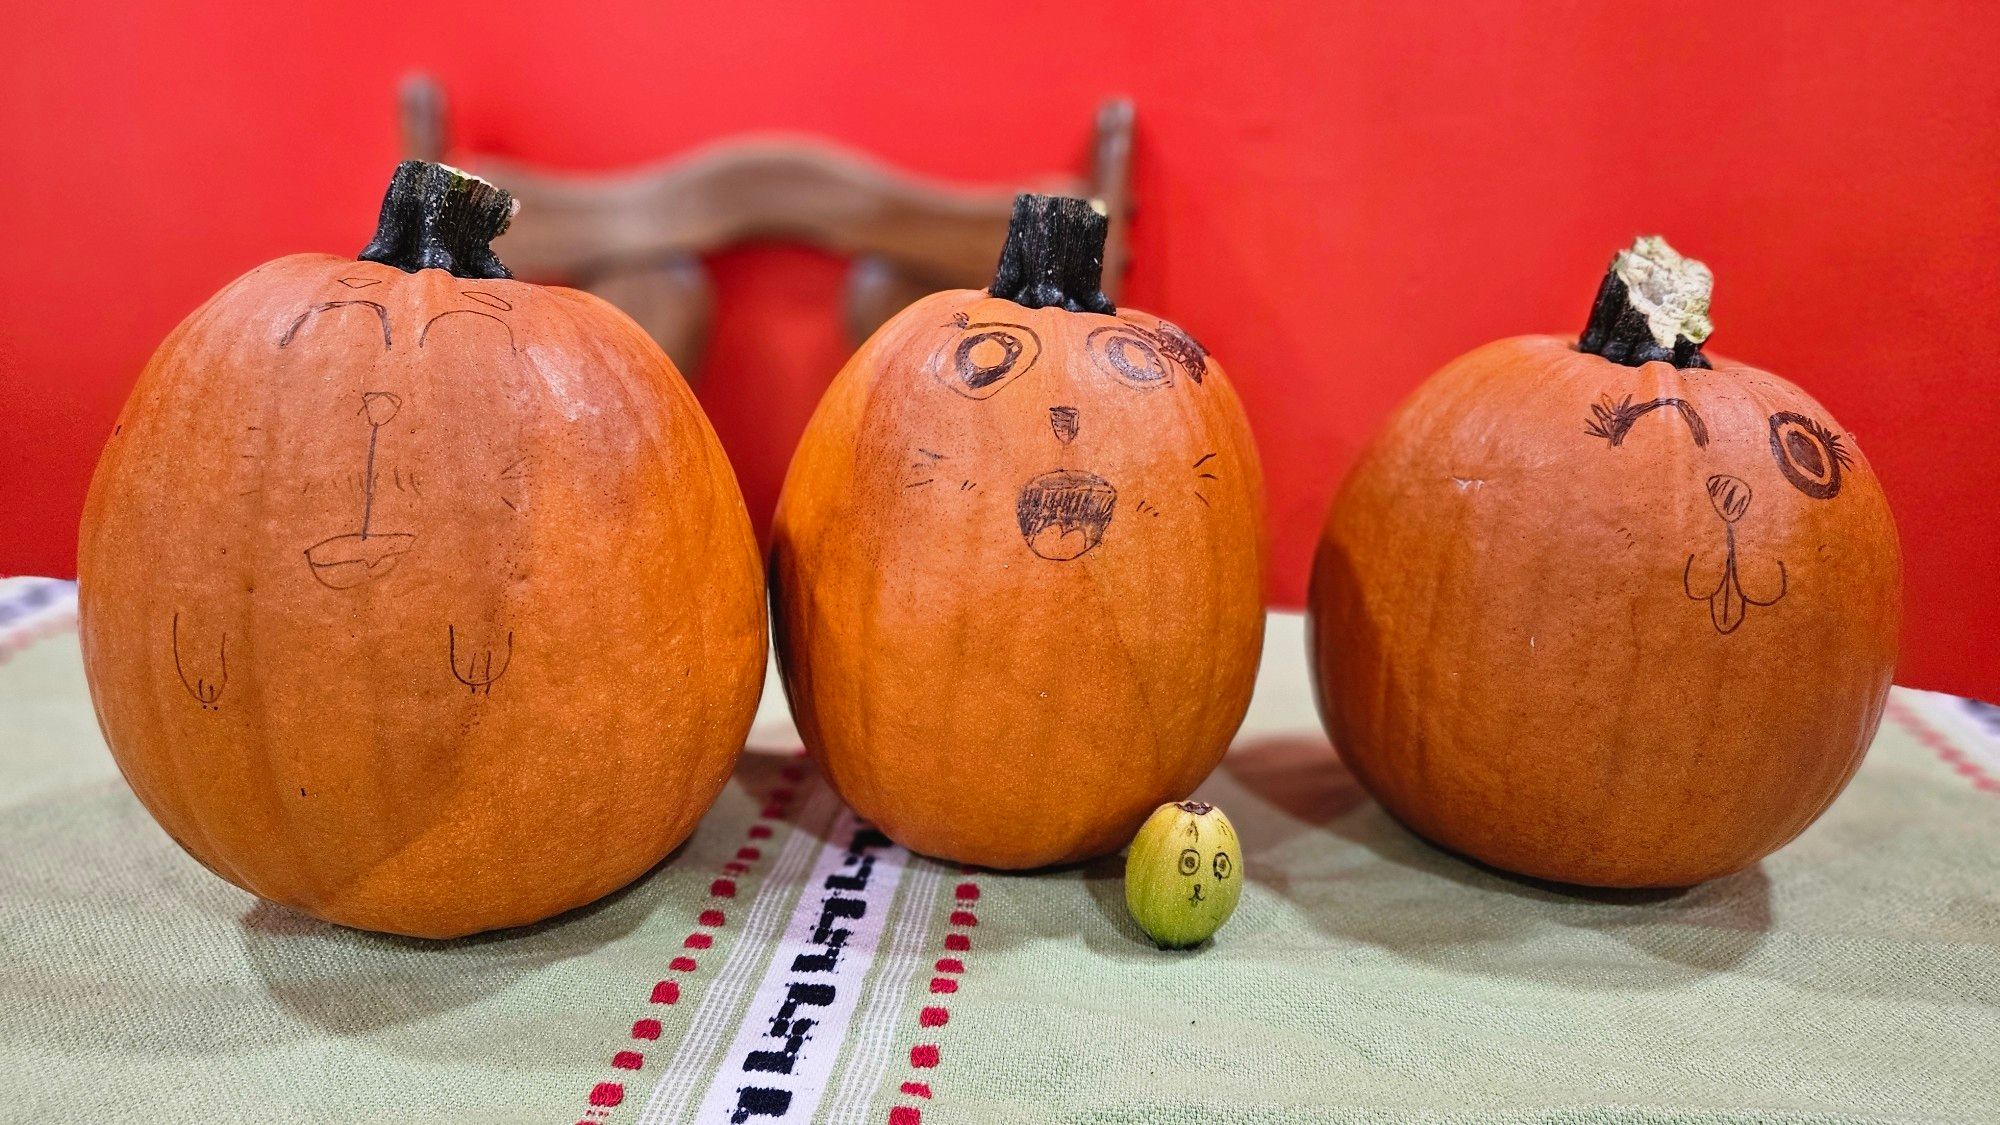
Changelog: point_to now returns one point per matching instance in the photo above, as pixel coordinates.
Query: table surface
(1854, 976)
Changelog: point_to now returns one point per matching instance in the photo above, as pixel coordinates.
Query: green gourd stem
(1054, 255)
(1653, 305)
(435, 216)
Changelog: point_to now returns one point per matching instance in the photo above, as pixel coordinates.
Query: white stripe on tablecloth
(711, 1026)
(876, 1032)
(782, 1058)
(1972, 726)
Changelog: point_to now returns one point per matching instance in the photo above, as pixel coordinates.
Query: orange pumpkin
(416, 598)
(1017, 563)
(1611, 612)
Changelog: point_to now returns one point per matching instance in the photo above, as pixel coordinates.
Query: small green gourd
(1183, 874)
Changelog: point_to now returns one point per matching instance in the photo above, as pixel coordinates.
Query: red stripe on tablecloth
(926, 1055)
(776, 805)
(1950, 752)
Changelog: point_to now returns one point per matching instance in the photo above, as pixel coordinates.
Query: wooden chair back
(637, 238)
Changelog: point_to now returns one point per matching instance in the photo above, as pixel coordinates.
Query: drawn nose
(1063, 420)
(1729, 496)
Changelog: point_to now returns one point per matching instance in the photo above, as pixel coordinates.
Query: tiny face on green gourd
(1183, 874)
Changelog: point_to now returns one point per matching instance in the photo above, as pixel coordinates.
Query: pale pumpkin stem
(1054, 255)
(1653, 305)
(435, 216)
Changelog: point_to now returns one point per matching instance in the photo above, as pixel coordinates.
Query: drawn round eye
(1222, 865)
(1190, 861)
(982, 358)
(1130, 356)
(1809, 454)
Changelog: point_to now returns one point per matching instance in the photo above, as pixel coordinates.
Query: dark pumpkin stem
(1653, 305)
(1054, 255)
(437, 217)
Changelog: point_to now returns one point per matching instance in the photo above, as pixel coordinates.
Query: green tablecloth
(1366, 976)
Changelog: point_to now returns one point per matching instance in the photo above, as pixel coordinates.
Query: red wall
(1337, 199)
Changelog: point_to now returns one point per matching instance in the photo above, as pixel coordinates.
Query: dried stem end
(1054, 255)
(435, 216)
(1653, 305)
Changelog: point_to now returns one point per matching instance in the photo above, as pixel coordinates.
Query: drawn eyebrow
(487, 299)
(1612, 420)
(432, 323)
(381, 314)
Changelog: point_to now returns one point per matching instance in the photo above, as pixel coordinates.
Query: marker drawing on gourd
(1019, 519)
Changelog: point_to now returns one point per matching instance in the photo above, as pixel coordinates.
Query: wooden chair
(636, 239)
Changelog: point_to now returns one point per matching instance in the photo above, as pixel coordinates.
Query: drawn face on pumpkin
(1809, 456)
(1003, 363)
(401, 356)
(347, 324)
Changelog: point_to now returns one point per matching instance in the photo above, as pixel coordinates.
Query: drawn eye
(1222, 865)
(1190, 861)
(1810, 455)
(984, 357)
(1130, 356)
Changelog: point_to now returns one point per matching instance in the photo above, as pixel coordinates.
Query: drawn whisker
(920, 483)
(932, 456)
(1204, 457)
(510, 503)
(1204, 500)
(1207, 476)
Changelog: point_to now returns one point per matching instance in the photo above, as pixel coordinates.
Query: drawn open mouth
(346, 561)
(1064, 513)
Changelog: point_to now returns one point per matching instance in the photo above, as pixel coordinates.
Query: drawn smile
(1063, 513)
